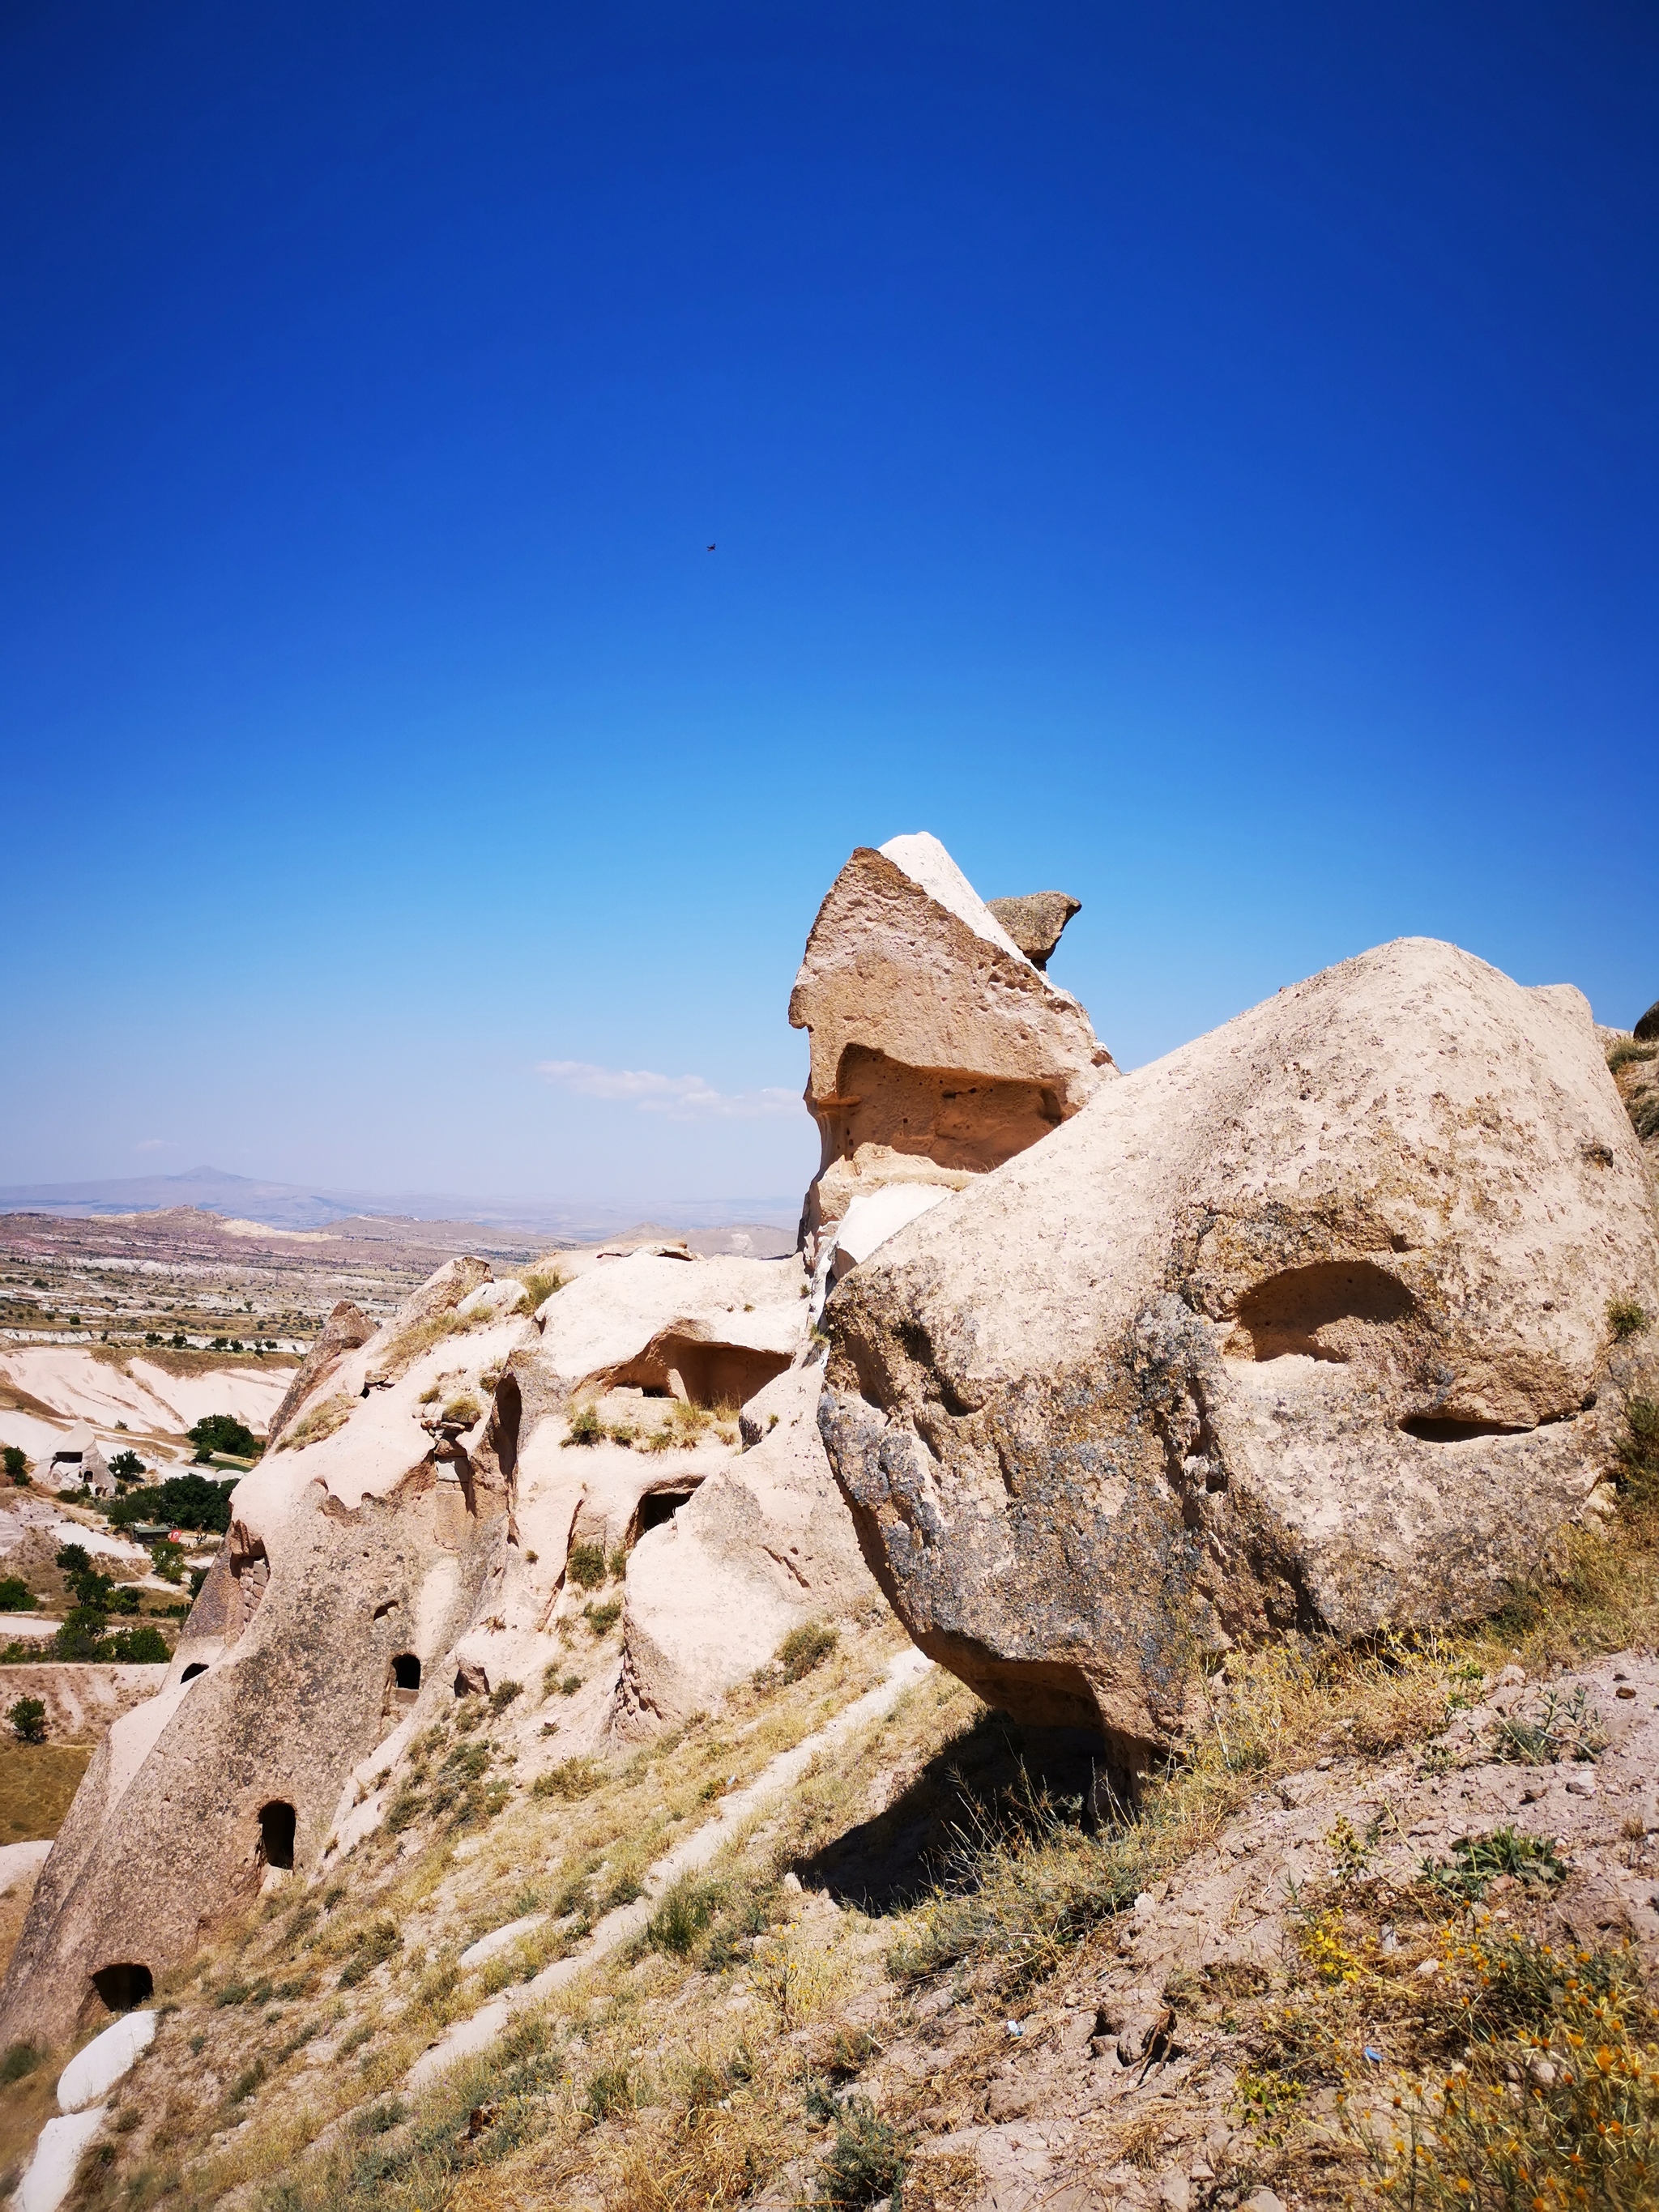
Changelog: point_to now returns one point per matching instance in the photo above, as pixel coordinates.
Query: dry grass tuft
(321, 1421)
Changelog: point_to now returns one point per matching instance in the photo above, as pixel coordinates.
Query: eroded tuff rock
(347, 1327)
(706, 1330)
(1304, 1327)
(1035, 923)
(765, 1546)
(406, 1541)
(939, 1050)
(374, 1542)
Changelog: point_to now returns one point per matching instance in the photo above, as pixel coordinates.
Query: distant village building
(78, 1463)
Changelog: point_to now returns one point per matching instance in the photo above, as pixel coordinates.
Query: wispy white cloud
(681, 1098)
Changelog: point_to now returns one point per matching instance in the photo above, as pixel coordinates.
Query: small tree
(28, 1718)
(17, 1465)
(15, 1595)
(223, 1433)
(126, 1467)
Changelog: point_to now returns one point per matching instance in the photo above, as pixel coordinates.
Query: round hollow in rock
(124, 1984)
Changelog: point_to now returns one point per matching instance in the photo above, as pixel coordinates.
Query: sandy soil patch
(82, 1389)
(248, 1393)
(35, 1438)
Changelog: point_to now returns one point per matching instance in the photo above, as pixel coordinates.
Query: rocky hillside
(1122, 1675)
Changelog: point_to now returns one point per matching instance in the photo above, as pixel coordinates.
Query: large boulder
(1304, 1327)
(939, 1050)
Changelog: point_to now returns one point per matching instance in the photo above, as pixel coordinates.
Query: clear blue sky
(1199, 456)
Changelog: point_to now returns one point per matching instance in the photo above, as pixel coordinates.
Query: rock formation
(939, 1050)
(1035, 923)
(1304, 1327)
(406, 1541)
(764, 1546)
(346, 1328)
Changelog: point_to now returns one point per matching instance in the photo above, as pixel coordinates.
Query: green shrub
(19, 2060)
(28, 1719)
(865, 2163)
(223, 1433)
(15, 1596)
(16, 1464)
(503, 1694)
(375, 1944)
(586, 1566)
(1556, 1729)
(686, 1910)
(403, 1811)
(247, 2083)
(572, 1777)
(1478, 1861)
(463, 1409)
(610, 2090)
(586, 1426)
(139, 1647)
(184, 1501)
(1625, 1318)
(126, 1467)
(806, 1647)
(602, 1618)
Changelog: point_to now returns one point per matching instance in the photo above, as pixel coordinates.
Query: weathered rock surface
(1303, 1327)
(404, 1541)
(346, 1328)
(1035, 923)
(376, 1540)
(1634, 1063)
(709, 1331)
(939, 1050)
(763, 1546)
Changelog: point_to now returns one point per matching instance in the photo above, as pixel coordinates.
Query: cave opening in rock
(278, 1821)
(1325, 1312)
(406, 1678)
(656, 1508)
(124, 1984)
(196, 1666)
(1447, 1429)
(708, 1374)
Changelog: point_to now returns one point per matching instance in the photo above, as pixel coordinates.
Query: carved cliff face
(939, 1050)
(1302, 1327)
(404, 1541)
(352, 1563)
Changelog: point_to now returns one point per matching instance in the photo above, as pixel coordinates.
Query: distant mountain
(293, 1206)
